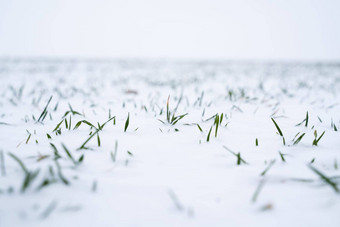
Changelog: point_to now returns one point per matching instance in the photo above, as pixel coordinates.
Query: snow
(172, 175)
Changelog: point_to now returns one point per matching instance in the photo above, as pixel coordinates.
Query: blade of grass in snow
(98, 140)
(60, 174)
(69, 154)
(238, 155)
(45, 110)
(94, 186)
(56, 153)
(28, 138)
(277, 127)
(217, 122)
(85, 122)
(258, 190)
(113, 155)
(58, 125)
(176, 201)
(279, 131)
(2, 163)
(268, 167)
(46, 182)
(127, 122)
(66, 124)
(208, 137)
(29, 178)
(50, 208)
(21, 164)
(282, 156)
(199, 127)
(325, 178)
(299, 139)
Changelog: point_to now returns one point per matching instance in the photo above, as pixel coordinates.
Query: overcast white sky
(231, 29)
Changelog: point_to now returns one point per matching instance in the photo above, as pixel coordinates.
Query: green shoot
(208, 137)
(299, 139)
(282, 156)
(127, 122)
(279, 131)
(199, 127)
(44, 113)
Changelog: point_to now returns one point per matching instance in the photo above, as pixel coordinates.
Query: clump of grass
(279, 131)
(170, 116)
(316, 139)
(100, 127)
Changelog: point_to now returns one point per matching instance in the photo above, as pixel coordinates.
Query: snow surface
(169, 175)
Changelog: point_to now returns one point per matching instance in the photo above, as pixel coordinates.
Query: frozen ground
(157, 173)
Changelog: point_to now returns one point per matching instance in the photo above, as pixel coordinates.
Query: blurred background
(302, 30)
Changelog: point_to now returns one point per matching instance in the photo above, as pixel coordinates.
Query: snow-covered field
(184, 144)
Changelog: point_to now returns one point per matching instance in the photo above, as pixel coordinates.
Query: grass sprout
(279, 131)
(316, 139)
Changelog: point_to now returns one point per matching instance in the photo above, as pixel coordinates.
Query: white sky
(231, 29)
